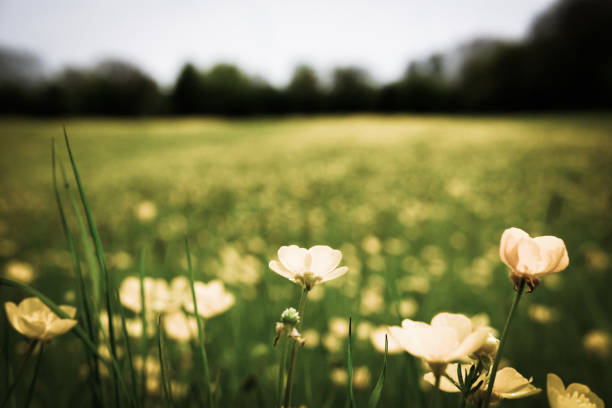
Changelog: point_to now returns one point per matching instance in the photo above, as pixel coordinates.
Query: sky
(267, 38)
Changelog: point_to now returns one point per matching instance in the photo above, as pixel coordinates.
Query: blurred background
(407, 134)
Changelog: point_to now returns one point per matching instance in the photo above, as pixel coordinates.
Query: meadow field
(416, 204)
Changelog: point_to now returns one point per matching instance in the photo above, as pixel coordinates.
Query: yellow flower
(450, 337)
(308, 267)
(530, 258)
(35, 320)
(509, 384)
(574, 396)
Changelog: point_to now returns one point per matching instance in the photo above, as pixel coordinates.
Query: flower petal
(529, 255)
(508, 246)
(335, 274)
(293, 258)
(69, 310)
(58, 328)
(459, 322)
(470, 344)
(445, 384)
(554, 387)
(281, 270)
(12, 312)
(324, 259)
(552, 250)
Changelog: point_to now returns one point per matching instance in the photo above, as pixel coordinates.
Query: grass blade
(128, 350)
(377, 391)
(81, 287)
(351, 395)
(108, 289)
(200, 331)
(162, 363)
(143, 316)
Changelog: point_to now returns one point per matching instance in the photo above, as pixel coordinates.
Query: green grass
(435, 192)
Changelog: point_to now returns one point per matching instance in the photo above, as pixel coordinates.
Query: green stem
(435, 393)
(19, 373)
(281, 371)
(502, 342)
(35, 376)
(294, 351)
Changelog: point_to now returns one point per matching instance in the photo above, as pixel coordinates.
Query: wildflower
(509, 383)
(146, 211)
(530, 258)
(20, 271)
(35, 320)
(308, 267)
(574, 396)
(450, 337)
(362, 377)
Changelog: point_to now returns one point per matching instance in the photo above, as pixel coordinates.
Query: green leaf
(377, 391)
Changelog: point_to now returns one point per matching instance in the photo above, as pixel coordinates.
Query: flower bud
(290, 317)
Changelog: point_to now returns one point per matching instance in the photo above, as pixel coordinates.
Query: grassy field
(416, 204)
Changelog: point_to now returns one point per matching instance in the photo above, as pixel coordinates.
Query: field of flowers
(416, 205)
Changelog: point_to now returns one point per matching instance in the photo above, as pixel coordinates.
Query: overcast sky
(265, 37)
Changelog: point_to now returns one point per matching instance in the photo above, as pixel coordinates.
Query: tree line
(564, 62)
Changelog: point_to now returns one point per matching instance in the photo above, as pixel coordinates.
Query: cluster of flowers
(462, 357)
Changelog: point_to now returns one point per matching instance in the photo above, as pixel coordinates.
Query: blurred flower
(308, 267)
(364, 329)
(598, 343)
(212, 299)
(450, 337)
(121, 260)
(372, 301)
(489, 348)
(157, 295)
(146, 211)
(371, 244)
(408, 307)
(339, 327)
(530, 258)
(35, 320)
(338, 376)
(542, 314)
(377, 337)
(361, 377)
(311, 337)
(20, 271)
(332, 343)
(180, 327)
(574, 396)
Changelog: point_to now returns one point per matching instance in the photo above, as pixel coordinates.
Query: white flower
(509, 383)
(530, 258)
(308, 267)
(574, 396)
(35, 320)
(450, 337)
(212, 299)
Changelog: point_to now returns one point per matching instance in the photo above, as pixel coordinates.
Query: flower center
(575, 400)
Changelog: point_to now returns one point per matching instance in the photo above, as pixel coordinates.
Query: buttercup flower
(574, 396)
(530, 258)
(308, 267)
(450, 337)
(509, 384)
(35, 320)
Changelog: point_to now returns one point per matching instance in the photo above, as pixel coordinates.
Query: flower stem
(435, 393)
(34, 377)
(281, 371)
(19, 373)
(502, 342)
(287, 403)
